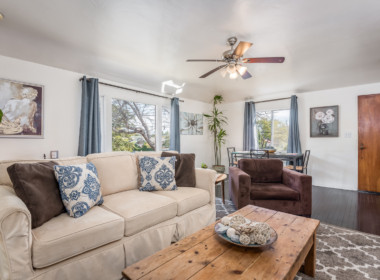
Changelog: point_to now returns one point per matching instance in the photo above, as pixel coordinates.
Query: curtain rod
(137, 91)
(271, 100)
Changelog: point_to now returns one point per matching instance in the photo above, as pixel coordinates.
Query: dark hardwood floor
(349, 209)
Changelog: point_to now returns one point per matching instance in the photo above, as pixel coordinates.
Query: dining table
(293, 157)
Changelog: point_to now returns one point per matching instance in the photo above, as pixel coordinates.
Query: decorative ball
(225, 221)
(220, 228)
(236, 221)
(231, 232)
(244, 239)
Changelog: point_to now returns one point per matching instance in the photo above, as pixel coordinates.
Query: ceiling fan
(233, 60)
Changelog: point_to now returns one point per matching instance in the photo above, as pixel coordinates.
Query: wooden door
(369, 142)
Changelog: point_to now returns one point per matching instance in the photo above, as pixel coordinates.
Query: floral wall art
(191, 124)
(324, 121)
(22, 105)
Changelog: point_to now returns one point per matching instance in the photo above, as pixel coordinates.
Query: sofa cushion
(184, 168)
(36, 186)
(71, 160)
(147, 154)
(157, 173)
(262, 170)
(187, 198)
(79, 186)
(4, 164)
(64, 237)
(274, 191)
(117, 171)
(140, 210)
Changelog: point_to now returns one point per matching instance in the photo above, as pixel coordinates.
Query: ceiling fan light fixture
(231, 68)
(233, 76)
(241, 69)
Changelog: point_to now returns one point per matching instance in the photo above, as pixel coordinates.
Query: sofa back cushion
(71, 160)
(262, 170)
(4, 177)
(117, 171)
(4, 164)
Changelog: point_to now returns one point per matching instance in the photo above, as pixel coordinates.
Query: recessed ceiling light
(1, 16)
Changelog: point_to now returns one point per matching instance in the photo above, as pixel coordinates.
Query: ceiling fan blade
(212, 71)
(211, 60)
(246, 75)
(242, 48)
(264, 60)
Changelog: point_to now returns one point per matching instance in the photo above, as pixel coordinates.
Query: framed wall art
(191, 124)
(22, 106)
(324, 121)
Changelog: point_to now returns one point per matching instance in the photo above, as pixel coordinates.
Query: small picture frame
(54, 154)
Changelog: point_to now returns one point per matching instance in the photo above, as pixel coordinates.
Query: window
(272, 129)
(133, 126)
(165, 136)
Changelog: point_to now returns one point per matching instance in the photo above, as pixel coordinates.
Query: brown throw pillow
(36, 186)
(184, 168)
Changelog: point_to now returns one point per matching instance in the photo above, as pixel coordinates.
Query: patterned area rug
(341, 253)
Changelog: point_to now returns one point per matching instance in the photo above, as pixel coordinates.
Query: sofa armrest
(205, 179)
(15, 236)
(301, 183)
(239, 184)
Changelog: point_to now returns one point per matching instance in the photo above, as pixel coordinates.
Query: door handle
(361, 146)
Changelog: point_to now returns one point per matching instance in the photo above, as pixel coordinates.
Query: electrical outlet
(348, 134)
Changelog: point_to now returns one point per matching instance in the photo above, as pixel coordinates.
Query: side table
(220, 179)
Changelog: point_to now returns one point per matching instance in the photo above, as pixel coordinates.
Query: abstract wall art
(191, 123)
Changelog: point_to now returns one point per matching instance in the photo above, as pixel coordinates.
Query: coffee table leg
(309, 267)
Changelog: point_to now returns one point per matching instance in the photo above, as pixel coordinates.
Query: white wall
(198, 144)
(62, 95)
(62, 98)
(333, 161)
(201, 145)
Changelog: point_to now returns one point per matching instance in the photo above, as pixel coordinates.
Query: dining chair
(259, 154)
(305, 161)
(232, 161)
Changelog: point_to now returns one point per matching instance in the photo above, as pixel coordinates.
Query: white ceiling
(327, 44)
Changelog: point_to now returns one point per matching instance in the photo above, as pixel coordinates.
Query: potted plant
(216, 120)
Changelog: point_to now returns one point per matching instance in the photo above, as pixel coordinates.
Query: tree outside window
(133, 126)
(165, 136)
(273, 129)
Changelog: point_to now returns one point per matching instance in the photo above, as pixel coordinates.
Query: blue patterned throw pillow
(157, 173)
(79, 186)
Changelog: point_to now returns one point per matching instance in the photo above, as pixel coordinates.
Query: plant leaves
(1, 115)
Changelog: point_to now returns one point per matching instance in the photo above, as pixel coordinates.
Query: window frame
(270, 112)
(109, 93)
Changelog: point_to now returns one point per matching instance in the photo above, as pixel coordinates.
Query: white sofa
(129, 226)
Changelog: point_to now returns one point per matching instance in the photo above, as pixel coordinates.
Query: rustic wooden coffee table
(203, 255)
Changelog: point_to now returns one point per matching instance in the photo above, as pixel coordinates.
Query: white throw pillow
(79, 186)
(157, 173)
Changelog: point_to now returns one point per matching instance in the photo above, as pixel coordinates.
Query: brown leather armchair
(266, 183)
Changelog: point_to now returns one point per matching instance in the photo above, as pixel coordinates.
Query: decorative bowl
(271, 151)
(272, 239)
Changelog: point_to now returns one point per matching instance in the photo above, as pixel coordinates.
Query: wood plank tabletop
(204, 255)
